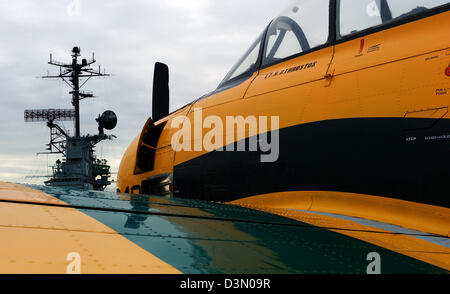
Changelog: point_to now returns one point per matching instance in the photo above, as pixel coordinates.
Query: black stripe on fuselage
(402, 158)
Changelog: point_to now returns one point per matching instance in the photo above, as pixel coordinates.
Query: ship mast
(71, 74)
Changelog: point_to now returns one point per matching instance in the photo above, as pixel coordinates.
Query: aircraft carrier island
(79, 167)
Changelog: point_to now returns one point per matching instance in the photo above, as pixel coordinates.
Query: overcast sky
(200, 40)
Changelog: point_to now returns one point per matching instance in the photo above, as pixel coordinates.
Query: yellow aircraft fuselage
(363, 129)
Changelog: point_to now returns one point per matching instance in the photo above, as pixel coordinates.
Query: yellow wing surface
(54, 230)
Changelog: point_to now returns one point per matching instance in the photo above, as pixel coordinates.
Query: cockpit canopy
(294, 31)
(305, 26)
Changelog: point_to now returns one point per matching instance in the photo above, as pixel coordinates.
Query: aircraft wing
(46, 229)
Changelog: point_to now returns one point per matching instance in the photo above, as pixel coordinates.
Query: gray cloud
(199, 40)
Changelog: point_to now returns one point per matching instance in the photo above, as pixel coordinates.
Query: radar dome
(108, 120)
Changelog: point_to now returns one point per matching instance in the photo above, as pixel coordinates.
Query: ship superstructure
(79, 167)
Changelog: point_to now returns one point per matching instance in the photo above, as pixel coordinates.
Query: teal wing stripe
(204, 237)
